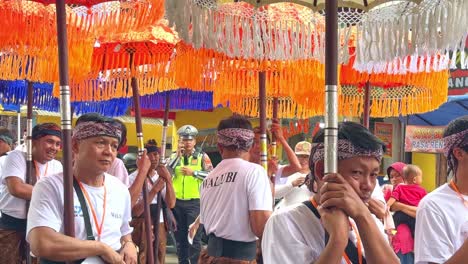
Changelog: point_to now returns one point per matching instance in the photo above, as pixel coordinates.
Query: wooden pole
(30, 178)
(263, 129)
(141, 148)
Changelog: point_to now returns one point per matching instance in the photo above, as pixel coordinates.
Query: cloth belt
(8, 222)
(220, 247)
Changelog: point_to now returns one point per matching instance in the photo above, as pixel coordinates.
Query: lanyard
(358, 237)
(38, 172)
(98, 226)
(455, 188)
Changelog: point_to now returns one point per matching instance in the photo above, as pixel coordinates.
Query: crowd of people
(294, 213)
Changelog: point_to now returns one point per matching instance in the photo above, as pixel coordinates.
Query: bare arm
(18, 188)
(332, 253)
(48, 244)
(294, 165)
(377, 248)
(391, 201)
(143, 164)
(258, 219)
(170, 197)
(137, 210)
(407, 209)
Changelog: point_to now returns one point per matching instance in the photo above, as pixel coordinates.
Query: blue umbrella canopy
(455, 107)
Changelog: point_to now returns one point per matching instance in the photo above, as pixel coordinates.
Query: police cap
(187, 132)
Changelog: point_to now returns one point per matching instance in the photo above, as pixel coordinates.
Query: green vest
(187, 187)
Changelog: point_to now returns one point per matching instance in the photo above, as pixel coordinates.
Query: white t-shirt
(118, 170)
(441, 226)
(295, 235)
(230, 191)
(46, 209)
(292, 195)
(15, 166)
(155, 177)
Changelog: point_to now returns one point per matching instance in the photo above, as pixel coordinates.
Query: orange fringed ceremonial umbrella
(143, 55)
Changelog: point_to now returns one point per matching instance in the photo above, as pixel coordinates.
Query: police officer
(189, 166)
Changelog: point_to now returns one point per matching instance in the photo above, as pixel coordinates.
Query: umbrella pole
(162, 161)
(331, 86)
(141, 148)
(366, 114)
(263, 129)
(66, 123)
(30, 179)
(273, 142)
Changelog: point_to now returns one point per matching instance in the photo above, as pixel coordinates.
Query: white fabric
(292, 195)
(377, 193)
(118, 170)
(295, 235)
(154, 178)
(230, 191)
(441, 226)
(46, 209)
(278, 179)
(16, 161)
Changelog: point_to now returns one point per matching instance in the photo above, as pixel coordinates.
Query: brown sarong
(207, 259)
(13, 246)
(138, 236)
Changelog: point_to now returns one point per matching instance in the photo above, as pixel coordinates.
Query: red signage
(458, 80)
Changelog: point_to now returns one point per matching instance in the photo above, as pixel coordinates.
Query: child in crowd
(409, 193)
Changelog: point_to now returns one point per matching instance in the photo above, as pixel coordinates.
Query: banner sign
(424, 139)
(384, 132)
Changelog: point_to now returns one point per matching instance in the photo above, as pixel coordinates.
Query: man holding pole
(190, 167)
(15, 192)
(102, 203)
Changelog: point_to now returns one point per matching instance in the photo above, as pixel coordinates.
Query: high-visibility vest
(187, 187)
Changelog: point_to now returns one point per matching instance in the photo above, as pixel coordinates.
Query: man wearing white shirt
(236, 198)
(15, 192)
(294, 191)
(159, 180)
(99, 199)
(442, 215)
(334, 226)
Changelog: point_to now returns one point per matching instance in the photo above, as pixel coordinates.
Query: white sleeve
(15, 166)
(283, 190)
(126, 229)
(432, 241)
(259, 194)
(281, 245)
(46, 208)
(377, 193)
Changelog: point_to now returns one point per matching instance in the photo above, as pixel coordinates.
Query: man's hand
(377, 208)
(336, 223)
(164, 173)
(276, 129)
(193, 228)
(298, 181)
(111, 256)
(143, 163)
(336, 192)
(187, 171)
(129, 253)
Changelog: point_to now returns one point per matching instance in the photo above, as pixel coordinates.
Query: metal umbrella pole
(18, 128)
(139, 131)
(263, 130)
(331, 86)
(66, 122)
(30, 178)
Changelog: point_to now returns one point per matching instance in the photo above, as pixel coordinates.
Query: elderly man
(442, 216)
(236, 198)
(189, 167)
(97, 195)
(15, 192)
(335, 225)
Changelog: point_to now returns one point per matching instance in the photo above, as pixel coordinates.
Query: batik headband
(237, 137)
(453, 141)
(96, 129)
(46, 129)
(346, 150)
(6, 139)
(151, 148)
